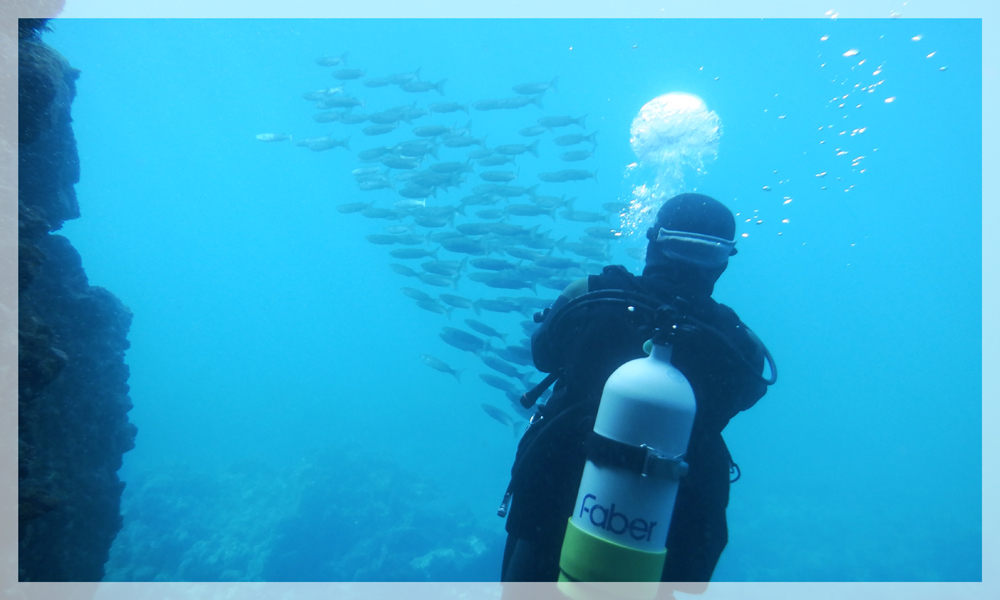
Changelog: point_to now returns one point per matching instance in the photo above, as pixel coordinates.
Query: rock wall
(73, 398)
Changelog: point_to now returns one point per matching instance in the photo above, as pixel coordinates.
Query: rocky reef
(342, 513)
(73, 398)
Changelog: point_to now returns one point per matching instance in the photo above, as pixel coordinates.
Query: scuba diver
(598, 324)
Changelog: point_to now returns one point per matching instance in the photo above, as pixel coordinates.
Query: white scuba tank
(646, 402)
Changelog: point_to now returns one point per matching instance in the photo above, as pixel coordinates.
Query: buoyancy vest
(551, 454)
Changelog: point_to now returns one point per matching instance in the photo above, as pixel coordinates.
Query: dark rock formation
(72, 389)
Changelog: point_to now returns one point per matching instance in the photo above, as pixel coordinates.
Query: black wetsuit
(551, 456)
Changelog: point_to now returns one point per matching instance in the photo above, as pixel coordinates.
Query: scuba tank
(618, 530)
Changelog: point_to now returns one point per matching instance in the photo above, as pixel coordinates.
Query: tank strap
(643, 460)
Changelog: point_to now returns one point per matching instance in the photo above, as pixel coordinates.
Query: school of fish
(463, 228)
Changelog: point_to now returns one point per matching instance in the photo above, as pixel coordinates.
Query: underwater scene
(333, 237)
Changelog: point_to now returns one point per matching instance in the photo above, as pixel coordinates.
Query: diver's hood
(694, 279)
(691, 242)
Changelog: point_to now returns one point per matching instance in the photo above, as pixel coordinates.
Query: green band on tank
(586, 557)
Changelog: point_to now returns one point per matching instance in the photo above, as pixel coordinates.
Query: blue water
(275, 364)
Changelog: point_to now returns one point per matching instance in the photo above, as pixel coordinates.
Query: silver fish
(553, 122)
(532, 131)
(348, 74)
(575, 138)
(439, 365)
(434, 306)
(273, 137)
(497, 176)
(536, 88)
(515, 149)
(448, 107)
(485, 329)
(423, 86)
(576, 155)
(379, 129)
(403, 270)
(353, 207)
(463, 340)
(456, 301)
(332, 61)
(411, 253)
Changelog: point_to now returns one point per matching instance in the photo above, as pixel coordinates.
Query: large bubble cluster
(672, 134)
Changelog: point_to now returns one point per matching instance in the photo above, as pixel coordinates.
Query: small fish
(556, 262)
(446, 268)
(508, 103)
(583, 216)
(353, 207)
(439, 365)
(382, 239)
(497, 176)
(347, 74)
(415, 294)
(273, 137)
(437, 280)
(603, 233)
(481, 153)
(575, 138)
(529, 210)
(400, 162)
(448, 107)
(374, 184)
(366, 171)
(374, 153)
(404, 204)
(492, 264)
(533, 131)
(515, 149)
(434, 306)
(322, 94)
(376, 82)
(353, 118)
(495, 161)
(332, 61)
(463, 340)
(567, 175)
(503, 280)
(327, 117)
(491, 213)
(456, 301)
(553, 122)
(576, 155)
(329, 143)
(497, 305)
(450, 167)
(423, 86)
(485, 329)
(463, 141)
(403, 270)
(518, 355)
(380, 129)
(431, 130)
(530, 89)
(504, 385)
(401, 78)
(416, 191)
(412, 253)
(501, 417)
(341, 102)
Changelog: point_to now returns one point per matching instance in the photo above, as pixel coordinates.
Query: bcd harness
(671, 321)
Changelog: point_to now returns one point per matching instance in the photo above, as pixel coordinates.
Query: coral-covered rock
(73, 382)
